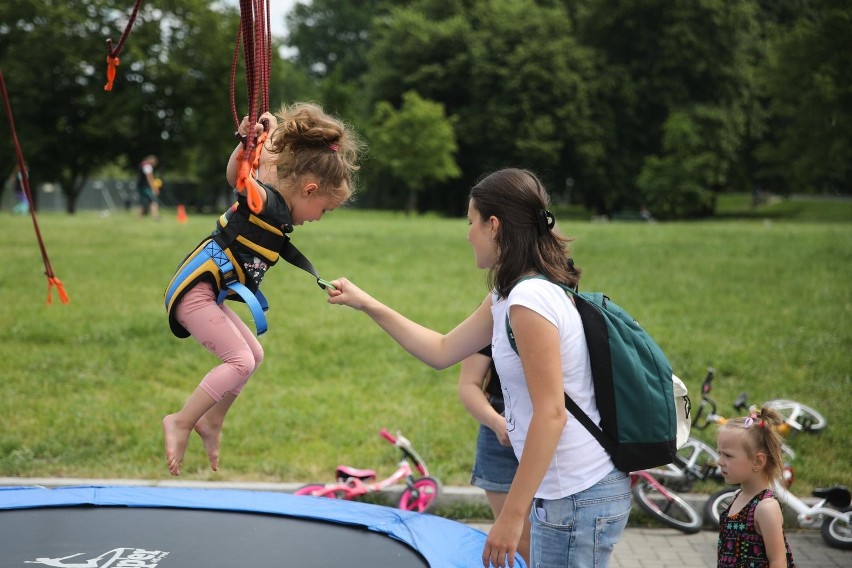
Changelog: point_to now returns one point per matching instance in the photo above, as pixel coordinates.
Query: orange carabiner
(112, 63)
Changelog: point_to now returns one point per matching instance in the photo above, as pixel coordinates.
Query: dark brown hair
(514, 196)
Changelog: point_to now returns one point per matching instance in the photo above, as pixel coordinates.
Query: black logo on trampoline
(115, 558)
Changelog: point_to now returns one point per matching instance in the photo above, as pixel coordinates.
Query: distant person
(751, 530)
(305, 171)
(495, 463)
(580, 500)
(16, 179)
(148, 188)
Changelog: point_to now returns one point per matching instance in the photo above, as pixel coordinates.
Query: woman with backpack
(580, 501)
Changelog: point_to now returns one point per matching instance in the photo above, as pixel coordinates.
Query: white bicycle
(831, 514)
(697, 460)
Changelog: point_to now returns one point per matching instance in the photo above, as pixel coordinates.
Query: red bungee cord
(112, 53)
(255, 31)
(52, 280)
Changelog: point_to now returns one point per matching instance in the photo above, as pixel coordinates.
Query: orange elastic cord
(51, 282)
(258, 148)
(112, 63)
(246, 183)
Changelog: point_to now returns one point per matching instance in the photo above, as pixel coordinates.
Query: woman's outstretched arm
(435, 349)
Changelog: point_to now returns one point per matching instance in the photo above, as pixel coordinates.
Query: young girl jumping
(751, 531)
(305, 170)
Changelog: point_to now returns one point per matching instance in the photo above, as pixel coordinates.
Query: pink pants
(224, 334)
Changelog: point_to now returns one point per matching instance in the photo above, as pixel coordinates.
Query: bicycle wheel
(718, 503)
(795, 413)
(421, 496)
(670, 509)
(837, 532)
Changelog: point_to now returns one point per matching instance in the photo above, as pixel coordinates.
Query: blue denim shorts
(495, 465)
(581, 530)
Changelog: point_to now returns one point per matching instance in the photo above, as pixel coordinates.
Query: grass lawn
(765, 301)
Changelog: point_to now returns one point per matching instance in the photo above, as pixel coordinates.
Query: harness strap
(212, 251)
(294, 256)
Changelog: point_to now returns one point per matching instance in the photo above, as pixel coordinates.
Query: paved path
(668, 548)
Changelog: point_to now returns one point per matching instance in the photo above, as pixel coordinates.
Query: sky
(278, 9)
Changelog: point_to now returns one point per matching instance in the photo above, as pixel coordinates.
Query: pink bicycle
(420, 492)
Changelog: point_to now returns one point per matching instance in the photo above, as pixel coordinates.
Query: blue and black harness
(214, 259)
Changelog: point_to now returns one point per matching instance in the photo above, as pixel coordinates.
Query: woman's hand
(345, 293)
(502, 542)
(501, 431)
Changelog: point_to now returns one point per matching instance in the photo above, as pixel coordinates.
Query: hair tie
(544, 221)
(334, 147)
(752, 420)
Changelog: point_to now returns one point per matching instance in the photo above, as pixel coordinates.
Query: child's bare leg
(209, 427)
(178, 426)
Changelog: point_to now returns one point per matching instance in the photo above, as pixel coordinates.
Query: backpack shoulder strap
(572, 406)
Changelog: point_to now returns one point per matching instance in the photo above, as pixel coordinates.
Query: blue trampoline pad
(149, 527)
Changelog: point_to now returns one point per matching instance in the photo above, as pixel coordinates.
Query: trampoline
(158, 527)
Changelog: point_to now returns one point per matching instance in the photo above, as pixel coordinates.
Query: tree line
(619, 106)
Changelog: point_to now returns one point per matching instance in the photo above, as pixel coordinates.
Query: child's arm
(769, 522)
(473, 370)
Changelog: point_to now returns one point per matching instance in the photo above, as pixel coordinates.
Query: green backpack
(641, 415)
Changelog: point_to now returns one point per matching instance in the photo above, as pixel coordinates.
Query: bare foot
(176, 440)
(211, 435)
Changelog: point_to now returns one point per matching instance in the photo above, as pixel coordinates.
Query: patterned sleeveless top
(740, 546)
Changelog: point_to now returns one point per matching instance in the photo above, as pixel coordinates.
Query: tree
(667, 68)
(808, 89)
(414, 144)
(171, 95)
(332, 36)
(508, 71)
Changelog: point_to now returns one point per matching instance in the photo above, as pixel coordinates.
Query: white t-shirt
(579, 461)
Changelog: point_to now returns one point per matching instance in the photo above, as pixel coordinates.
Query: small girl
(751, 532)
(305, 170)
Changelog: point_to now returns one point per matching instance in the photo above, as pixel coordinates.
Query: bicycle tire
(836, 532)
(717, 503)
(674, 512)
(808, 419)
(422, 496)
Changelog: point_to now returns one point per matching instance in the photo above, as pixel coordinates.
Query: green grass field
(767, 302)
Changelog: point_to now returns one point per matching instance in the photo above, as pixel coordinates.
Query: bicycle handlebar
(406, 448)
(706, 402)
(387, 436)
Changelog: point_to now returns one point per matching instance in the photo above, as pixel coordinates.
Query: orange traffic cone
(181, 214)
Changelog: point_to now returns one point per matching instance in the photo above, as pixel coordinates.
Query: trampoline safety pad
(151, 527)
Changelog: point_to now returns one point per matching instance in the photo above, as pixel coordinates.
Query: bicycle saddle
(838, 495)
(344, 472)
